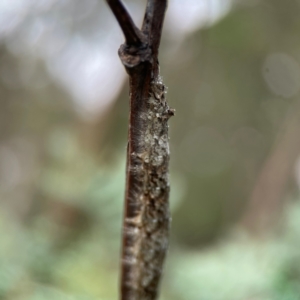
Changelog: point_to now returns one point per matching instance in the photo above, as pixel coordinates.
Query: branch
(146, 217)
(133, 35)
(153, 23)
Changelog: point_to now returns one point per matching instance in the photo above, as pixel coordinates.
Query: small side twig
(146, 216)
(132, 34)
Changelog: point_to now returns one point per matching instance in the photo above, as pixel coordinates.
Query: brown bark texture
(146, 217)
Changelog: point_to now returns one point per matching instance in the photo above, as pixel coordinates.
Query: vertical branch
(146, 217)
(153, 23)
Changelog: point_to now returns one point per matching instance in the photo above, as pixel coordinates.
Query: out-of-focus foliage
(48, 259)
(70, 240)
(234, 150)
(239, 267)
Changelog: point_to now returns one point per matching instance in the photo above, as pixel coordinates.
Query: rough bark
(146, 217)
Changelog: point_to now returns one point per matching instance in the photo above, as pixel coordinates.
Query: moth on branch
(146, 216)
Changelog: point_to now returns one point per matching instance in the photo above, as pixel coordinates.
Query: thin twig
(153, 23)
(133, 35)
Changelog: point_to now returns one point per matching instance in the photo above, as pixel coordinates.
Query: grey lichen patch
(147, 232)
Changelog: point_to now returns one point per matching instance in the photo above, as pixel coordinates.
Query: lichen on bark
(146, 216)
(146, 231)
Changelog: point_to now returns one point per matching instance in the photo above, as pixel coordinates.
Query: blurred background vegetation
(232, 68)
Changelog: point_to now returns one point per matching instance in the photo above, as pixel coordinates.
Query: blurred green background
(233, 73)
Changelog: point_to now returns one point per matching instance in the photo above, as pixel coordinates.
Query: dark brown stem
(153, 23)
(146, 216)
(133, 35)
